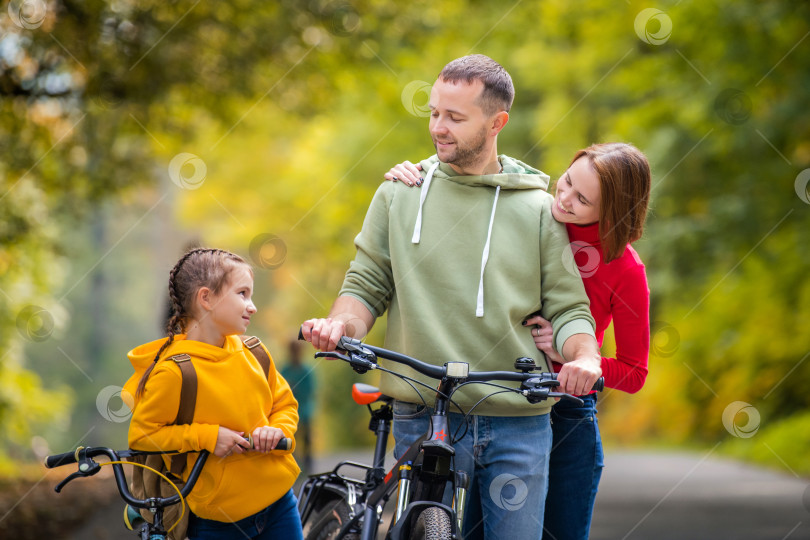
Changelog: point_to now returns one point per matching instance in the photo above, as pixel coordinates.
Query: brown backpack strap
(188, 402)
(188, 390)
(254, 346)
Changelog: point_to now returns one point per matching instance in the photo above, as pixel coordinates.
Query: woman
(602, 199)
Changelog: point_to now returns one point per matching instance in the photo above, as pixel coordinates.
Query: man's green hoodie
(459, 264)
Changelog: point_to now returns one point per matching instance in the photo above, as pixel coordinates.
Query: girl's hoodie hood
(514, 175)
(143, 356)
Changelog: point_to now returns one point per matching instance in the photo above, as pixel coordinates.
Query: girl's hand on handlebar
(266, 438)
(406, 172)
(324, 334)
(230, 442)
(543, 335)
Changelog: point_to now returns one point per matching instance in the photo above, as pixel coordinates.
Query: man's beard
(468, 154)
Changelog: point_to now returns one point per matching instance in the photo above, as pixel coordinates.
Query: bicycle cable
(160, 474)
(466, 416)
(411, 380)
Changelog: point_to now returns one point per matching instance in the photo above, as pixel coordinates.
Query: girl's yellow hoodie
(231, 392)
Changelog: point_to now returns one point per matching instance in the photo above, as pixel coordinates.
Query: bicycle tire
(432, 524)
(326, 523)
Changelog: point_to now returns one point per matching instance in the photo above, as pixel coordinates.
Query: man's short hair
(498, 92)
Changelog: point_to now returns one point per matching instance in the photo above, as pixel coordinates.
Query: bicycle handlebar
(438, 372)
(88, 467)
(60, 459)
(362, 356)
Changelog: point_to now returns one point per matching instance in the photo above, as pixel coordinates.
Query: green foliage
(296, 109)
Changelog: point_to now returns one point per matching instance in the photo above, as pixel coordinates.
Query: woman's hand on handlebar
(230, 442)
(406, 172)
(324, 334)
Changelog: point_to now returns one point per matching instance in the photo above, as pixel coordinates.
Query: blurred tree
(293, 110)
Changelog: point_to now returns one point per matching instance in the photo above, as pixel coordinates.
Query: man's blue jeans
(507, 461)
(576, 467)
(279, 520)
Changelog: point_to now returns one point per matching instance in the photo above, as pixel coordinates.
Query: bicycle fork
(462, 482)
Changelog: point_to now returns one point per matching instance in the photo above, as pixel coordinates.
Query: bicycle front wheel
(432, 524)
(326, 523)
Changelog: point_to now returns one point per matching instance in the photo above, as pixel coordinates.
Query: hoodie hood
(143, 356)
(514, 175)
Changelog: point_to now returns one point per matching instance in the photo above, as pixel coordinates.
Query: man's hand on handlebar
(577, 377)
(324, 334)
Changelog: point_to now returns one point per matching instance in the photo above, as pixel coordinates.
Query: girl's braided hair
(199, 267)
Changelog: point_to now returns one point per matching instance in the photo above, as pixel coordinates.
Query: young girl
(242, 492)
(602, 199)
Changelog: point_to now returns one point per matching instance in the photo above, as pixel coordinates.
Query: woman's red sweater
(618, 291)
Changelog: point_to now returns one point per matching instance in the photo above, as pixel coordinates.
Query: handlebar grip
(284, 444)
(60, 459)
(301, 333)
(599, 385)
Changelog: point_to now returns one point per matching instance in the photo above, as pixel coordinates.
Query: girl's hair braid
(199, 267)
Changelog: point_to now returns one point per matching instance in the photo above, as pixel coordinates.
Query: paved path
(665, 496)
(649, 496)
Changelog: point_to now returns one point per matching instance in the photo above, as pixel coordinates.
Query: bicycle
(336, 506)
(87, 466)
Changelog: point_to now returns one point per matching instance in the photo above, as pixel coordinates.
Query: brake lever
(64, 482)
(332, 354)
(87, 467)
(567, 397)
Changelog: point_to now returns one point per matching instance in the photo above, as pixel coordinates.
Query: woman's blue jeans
(279, 520)
(574, 472)
(506, 458)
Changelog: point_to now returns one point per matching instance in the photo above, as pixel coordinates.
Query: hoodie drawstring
(417, 229)
(417, 234)
(479, 306)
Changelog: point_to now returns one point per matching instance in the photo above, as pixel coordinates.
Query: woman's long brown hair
(625, 182)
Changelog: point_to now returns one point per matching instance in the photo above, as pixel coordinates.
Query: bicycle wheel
(326, 523)
(432, 524)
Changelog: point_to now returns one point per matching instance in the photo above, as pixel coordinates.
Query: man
(459, 265)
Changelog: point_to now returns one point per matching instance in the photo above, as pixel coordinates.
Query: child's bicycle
(87, 466)
(336, 506)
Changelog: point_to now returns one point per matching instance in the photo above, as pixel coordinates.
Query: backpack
(145, 483)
